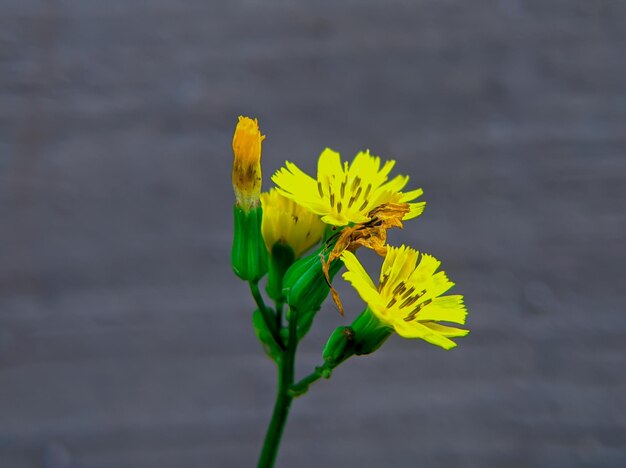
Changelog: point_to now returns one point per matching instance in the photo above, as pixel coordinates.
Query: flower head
(288, 223)
(346, 193)
(247, 165)
(409, 295)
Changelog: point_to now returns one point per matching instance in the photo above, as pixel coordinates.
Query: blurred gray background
(125, 339)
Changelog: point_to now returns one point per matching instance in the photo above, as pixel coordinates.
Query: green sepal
(369, 332)
(265, 337)
(304, 284)
(281, 258)
(339, 347)
(249, 255)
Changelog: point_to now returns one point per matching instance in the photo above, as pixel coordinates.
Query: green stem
(286, 367)
(302, 386)
(279, 313)
(268, 316)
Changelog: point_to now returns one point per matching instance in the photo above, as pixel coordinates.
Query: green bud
(264, 336)
(281, 258)
(339, 347)
(369, 332)
(304, 284)
(249, 255)
(305, 320)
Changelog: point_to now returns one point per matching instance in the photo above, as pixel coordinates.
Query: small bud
(304, 285)
(247, 164)
(339, 347)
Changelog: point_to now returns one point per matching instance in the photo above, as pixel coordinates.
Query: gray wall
(125, 339)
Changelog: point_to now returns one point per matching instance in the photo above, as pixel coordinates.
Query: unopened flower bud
(339, 347)
(305, 287)
(247, 164)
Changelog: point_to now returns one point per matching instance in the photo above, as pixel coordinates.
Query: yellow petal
(398, 265)
(450, 332)
(354, 267)
(329, 165)
(363, 284)
(291, 180)
(425, 269)
(417, 330)
(396, 184)
(416, 209)
(446, 309)
(410, 196)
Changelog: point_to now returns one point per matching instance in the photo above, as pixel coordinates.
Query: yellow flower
(288, 223)
(348, 193)
(247, 165)
(409, 295)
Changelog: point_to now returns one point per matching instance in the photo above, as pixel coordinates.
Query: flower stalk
(286, 370)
